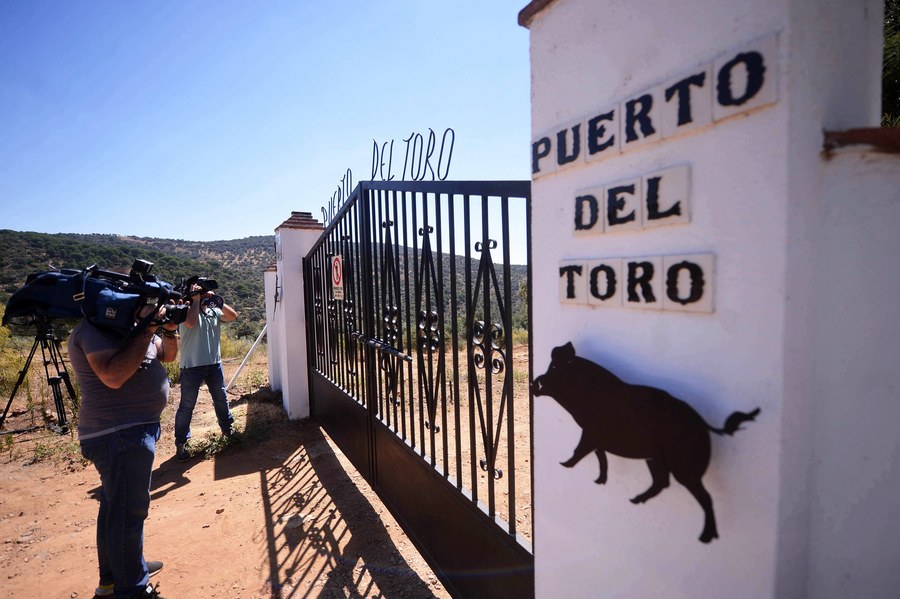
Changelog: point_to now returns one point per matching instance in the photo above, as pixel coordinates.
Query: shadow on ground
(323, 534)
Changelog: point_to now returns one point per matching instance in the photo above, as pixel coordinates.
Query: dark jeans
(191, 379)
(124, 460)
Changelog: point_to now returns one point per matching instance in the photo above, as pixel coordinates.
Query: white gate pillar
(691, 235)
(286, 312)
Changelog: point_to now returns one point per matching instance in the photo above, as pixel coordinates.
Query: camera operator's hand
(197, 290)
(200, 298)
(169, 326)
(143, 313)
(169, 349)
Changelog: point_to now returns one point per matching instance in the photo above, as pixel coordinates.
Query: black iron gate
(420, 373)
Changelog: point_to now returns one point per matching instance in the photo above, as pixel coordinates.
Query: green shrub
(59, 451)
(11, 361)
(520, 336)
(234, 347)
(173, 369)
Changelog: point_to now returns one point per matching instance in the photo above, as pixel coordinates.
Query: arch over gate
(418, 373)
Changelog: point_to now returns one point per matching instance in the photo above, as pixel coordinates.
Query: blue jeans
(191, 379)
(124, 460)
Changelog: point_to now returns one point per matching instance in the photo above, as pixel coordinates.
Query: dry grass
(30, 432)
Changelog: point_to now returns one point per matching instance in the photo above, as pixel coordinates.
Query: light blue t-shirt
(200, 345)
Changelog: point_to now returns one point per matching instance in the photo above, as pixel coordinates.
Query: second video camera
(185, 287)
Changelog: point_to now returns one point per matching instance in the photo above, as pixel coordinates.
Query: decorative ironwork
(349, 305)
(429, 330)
(391, 328)
(318, 310)
(332, 309)
(493, 349)
(391, 325)
(487, 340)
(429, 334)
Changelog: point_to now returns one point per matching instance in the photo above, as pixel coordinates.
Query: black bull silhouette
(638, 422)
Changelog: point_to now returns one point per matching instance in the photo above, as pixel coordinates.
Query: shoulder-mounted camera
(108, 299)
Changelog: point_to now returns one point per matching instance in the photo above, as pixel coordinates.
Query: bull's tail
(733, 422)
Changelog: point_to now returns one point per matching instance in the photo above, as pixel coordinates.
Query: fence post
(286, 313)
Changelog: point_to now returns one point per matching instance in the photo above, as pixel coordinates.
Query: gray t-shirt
(200, 346)
(140, 400)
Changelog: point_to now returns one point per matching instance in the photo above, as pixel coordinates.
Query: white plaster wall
(832, 83)
(291, 335)
(854, 486)
(274, 307)
(754, 350)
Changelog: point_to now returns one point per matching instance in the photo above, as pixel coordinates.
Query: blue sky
(206, 120)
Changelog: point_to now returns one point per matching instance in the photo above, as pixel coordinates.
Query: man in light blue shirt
(201, 362)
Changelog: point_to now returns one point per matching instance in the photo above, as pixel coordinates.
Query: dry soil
(279, 512)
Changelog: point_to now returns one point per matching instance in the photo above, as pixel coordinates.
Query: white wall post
(718, 108)
(287, 322)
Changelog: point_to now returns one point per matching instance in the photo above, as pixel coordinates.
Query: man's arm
(167, 346)
(193, 315)
(228, 313)
(115, 366)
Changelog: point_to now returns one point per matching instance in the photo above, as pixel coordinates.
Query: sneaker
(181, 453)
(230, 433)
(150, 592)
(154, 568)
(108, 590)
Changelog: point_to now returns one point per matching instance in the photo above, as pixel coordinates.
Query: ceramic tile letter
(666, 196)
(688, 282)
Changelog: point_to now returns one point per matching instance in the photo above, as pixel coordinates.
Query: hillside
(237, 265)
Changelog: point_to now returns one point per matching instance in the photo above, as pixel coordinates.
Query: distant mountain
(237, 265)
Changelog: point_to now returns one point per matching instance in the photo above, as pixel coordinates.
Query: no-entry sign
(337, 277)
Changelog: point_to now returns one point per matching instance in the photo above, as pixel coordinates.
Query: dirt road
(279, 513)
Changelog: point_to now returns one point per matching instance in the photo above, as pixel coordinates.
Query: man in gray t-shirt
(104, 411)
(124, 388)
(201, 363)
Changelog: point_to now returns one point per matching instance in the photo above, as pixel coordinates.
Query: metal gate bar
(426, 313)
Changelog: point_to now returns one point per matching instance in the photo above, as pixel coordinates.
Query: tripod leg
(18, 384)
(63, 373)
(48, 345)
(63, 425)
(70, 388)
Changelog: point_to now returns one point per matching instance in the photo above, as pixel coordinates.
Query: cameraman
(201, 362)
(124, 388)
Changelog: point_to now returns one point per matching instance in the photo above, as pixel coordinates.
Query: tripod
(50, 346)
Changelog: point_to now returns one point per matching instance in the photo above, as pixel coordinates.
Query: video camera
(184, 288)
(107, 299)
(205, 285)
